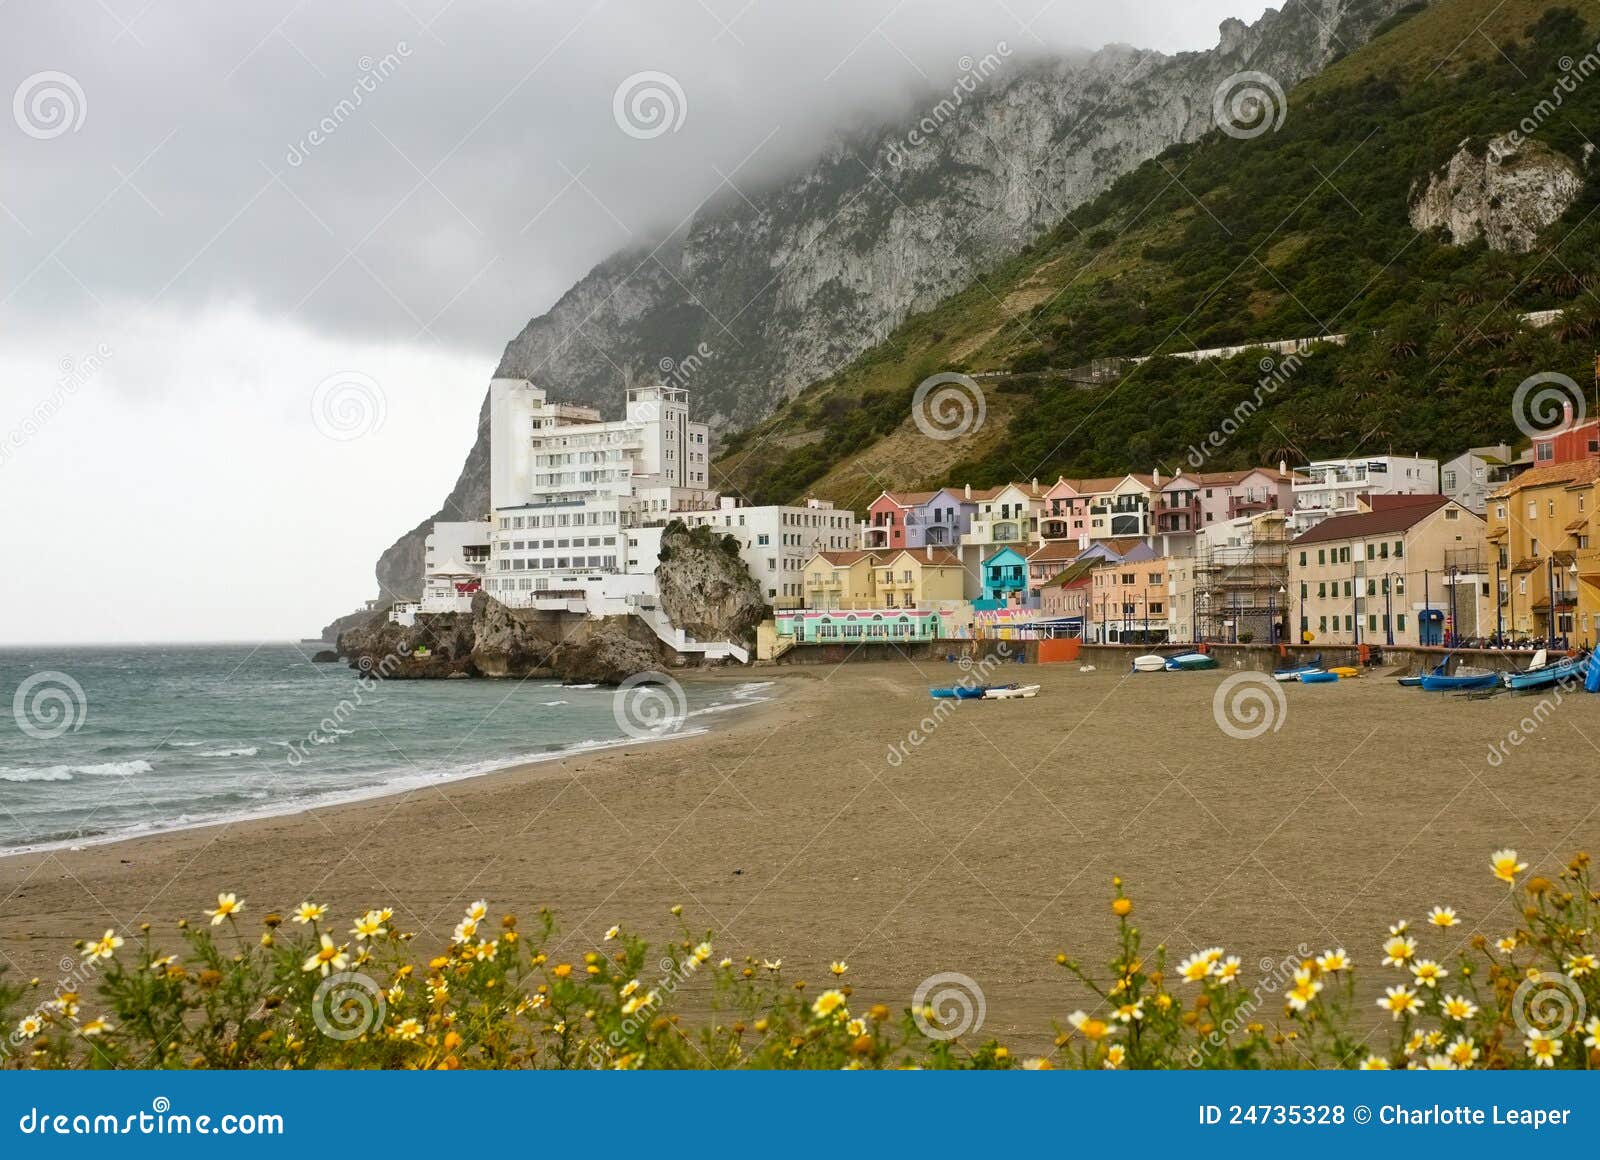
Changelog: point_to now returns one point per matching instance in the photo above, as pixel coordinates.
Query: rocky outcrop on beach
(495, 641)
(768, 290)
(705, 588)
(1504, 192)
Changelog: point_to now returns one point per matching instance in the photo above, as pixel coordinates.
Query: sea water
(104, 743)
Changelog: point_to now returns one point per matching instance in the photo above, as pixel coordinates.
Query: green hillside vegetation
(1294, 233)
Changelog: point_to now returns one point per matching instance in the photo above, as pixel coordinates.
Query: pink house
(1189, 503)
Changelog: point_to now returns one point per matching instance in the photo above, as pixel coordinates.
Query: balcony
(875, 537)
(1250, 505)
(1056, 528)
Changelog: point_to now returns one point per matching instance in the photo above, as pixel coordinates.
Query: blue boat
(1438, 670)
(1318, 677)
(960, 693)
(1566, 669)
(1459, 681)
(1298, 671)
(1190, 662)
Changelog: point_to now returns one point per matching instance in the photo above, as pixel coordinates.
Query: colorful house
(1065, 597)
(1005, 579)
(1191, 503)
(1569, 443)
(1006, 515)
(859, 626)
(1540, 533)
(1128, 602)
(840, 580)
(1404, 569)
(918, 579)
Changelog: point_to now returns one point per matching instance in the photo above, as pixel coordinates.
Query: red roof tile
(1397, 517)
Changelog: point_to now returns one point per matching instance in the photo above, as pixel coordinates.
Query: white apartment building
(775, 542)
(455, 558)
(1331, 487)
(564, 484)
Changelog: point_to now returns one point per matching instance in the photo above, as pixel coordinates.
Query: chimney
(1155, 477)
(928, 548)
(968, 491)
(1036, 478)
(1283, 467)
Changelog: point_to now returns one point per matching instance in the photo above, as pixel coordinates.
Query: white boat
(1006, 692)
(1150, 663)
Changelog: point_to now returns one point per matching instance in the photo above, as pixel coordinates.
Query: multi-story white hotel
(564, 484)
(777, 541)
(1332, 487)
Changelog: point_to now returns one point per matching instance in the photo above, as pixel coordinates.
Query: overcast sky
(258, 261)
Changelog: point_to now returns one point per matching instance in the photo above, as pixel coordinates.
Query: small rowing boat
(1319, 677)
(1461, 679)
(1190, 662)
(1008, 692)
(1150, 663)
(1345, 671)
(1565, 669)
(1293, 674)
(960, 693)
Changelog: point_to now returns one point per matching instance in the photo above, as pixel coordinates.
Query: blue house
(1005, 579)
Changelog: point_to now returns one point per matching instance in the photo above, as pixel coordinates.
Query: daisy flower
(1304, 990)
(1196, 967)
(1505, 865)
(1506, 945)
(308, 912)
(1115, 1054)
(1543, 1050)
(1398, 1000)
(103, 947)
(839, 967)
(369, 925)
(612, 933)
(1130, 1012)
(1089, 1027)
(1374, 1063)
(1443, 916)
(1397, 950)
(1462, 1052)
(228, 905)
(1331, 962)
(1577, 965)
(327, 959)
(1458, 1007)
(1228, 969)
(1427, 972)
(827, 1003)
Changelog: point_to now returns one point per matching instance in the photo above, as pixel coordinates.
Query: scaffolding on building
(1241, 591)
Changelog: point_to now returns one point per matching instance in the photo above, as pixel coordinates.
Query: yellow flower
(1443, 916)
(1374, 1063)
(1506, 945)
(1130, 1012)
(1427, 972)
(1090, 1028)
(309, 912)
(30, 1026)
(1304, 990)
(1037, 1064)
(327, 959)
(856, 1027)
(1505, 865)
(1213, 955)
(465, 930)
(839, 968)
(1399, 1000)
(1228, 969)
(701, 953)
(369, 925)
(612, 933)
(1577, 965)
(1543, 1050)
(486, 950)
(1115, 1054)
(408, 1029)
(478, 911)
(629, 988)
(1196, 967)
(562, 970)
(95, 1027)
(1462, 1052)
(104, 947)
(1330, 961)
(1458, 1007)
(227, 906)
(827, 1003)
(1397, 950)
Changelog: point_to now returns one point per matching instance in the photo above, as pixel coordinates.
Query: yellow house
(840, 580)
(918, 578)
(1402, 570)
(1541, 526)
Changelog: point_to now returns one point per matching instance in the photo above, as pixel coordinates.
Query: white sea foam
(242, 751)
(553, 702)
(68, 772)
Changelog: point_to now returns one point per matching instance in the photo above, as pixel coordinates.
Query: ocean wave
(553, 702)
(580, 686)
(185, 744)
(242, 751)
(67, 772)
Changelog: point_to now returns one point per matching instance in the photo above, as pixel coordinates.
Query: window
(1302, 590)
(1322, 556)
(1451, 513)
(1322, 624)
(1156, 610)
(1372, 551)
(1372, 622)
(1302, 559)
(1399, 549)
(1544, 452)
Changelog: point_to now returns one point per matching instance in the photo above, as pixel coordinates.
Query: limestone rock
(705, 588)
(1504, 193)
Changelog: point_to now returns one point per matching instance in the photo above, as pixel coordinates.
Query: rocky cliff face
(756, 299)
(705, 589)
(1504, 193)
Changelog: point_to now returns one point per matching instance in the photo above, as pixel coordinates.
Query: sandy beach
(986, 849)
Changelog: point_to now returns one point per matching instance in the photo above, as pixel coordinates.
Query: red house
(1568, 443)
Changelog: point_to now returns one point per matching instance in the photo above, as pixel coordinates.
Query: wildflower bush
(303, 990)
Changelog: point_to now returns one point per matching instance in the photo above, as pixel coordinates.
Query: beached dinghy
(1346, 672)
(1150, 663)
(1319, 677)
(960, 693)
(1462, 679)
(1007, 692)
(1565, 669)
(1190, 662)
(1438, 670)
(1312, 666)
